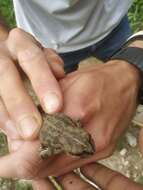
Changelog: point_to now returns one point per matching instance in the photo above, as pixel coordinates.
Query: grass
(6, 9)
(136, 15)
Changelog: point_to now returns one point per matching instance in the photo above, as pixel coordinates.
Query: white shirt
(69, 25)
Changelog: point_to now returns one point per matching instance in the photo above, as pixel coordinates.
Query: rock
(126, 163)
(131, 139)
(123, 152)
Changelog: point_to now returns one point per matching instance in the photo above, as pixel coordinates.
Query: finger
(83, 100)
(55, 62)
(108, 179)
(23, 163)
(73, 181)
(33, 61)
(6, 124)
(62, 165)
(14, 145)
(19, 105)
(43, 184)
(66, 163)
(51, 53)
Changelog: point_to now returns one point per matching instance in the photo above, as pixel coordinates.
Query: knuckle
(82, 113)
(104, 142)
(59, 60)
(15, 33)
(24, 173)
(18, 106)
(53, 56)
(15, 101)
(18, 38)
(56, 59)
(30, 53)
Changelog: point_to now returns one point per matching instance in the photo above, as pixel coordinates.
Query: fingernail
(51, 102)
(15, 145)
(29, 127)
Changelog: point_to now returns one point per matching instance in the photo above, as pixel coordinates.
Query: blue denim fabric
(103, 50)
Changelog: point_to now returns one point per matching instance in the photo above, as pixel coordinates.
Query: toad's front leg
(47, 152)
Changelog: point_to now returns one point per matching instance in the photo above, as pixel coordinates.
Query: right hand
(19, 117)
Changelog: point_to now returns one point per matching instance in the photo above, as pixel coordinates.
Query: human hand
(19, 117)
(27, 163)
(99, 175)
(104, 97)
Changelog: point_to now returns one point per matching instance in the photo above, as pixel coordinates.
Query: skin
(21, 51)
(25, 155)
(105, 114)
(104, 177)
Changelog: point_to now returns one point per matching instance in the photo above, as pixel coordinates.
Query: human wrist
(131, 53)
(126, 72)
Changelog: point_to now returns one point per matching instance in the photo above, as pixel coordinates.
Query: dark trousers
(102, 50)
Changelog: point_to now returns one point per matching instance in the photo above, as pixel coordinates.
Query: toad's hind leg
(45, 153)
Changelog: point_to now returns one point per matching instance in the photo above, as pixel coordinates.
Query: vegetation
(6, 9)
(136, 15)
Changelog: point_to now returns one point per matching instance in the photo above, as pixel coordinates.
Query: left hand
(104, 97)
(23, 160)
(105, 178)
(102, 176)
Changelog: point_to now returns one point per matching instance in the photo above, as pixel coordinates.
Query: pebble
(122, 160)
(131, 139)
(135, 175)
(126, 163)
(128, 174)
(123, 152)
